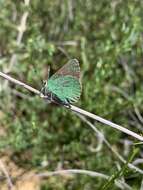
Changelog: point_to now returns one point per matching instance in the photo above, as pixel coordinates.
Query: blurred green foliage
(106, 37)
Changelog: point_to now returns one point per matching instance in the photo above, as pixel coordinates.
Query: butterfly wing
(71, 69)
(65, 83)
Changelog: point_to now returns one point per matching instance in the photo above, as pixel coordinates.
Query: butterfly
(64, 87)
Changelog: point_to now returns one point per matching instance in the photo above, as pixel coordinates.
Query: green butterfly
(64, 87)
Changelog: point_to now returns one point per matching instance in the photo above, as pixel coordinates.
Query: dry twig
(76, 109)
(131, 166)
(3, 169)
(118, 183)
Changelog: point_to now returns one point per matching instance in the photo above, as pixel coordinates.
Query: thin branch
(3, 169)
(72, 171)
(106, 122)
(141, 188)
(70, 10)
(131, 166)
(21, 29)
(138, 161)
(66, 43)
(140, 118)
(76, 109)
(127, 146)
(119, 168)
(17, 82)
(119, 183)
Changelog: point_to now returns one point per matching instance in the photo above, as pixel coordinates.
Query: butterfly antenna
(49, 72)
(48, 75)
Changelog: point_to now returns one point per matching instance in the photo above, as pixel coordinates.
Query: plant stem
(76, 109)
(11, 79)
(106, 122)
(120, 184)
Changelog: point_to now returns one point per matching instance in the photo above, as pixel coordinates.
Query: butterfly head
(45, 93)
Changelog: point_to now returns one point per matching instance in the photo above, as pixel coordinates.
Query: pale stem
(21, 29)
(3, 169)
(76, 109)
(118, 155)
(119, 183)
(106, 122)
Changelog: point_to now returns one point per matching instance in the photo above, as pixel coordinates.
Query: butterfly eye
(44, 82)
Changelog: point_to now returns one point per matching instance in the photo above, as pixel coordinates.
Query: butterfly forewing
(65, 83)
(71, 68)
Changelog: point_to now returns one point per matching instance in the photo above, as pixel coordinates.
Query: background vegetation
(106, 36)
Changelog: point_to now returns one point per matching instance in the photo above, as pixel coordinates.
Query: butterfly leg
(67, 104)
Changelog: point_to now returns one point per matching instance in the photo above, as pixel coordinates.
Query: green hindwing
(65, 83)
(66, 88)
